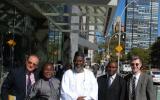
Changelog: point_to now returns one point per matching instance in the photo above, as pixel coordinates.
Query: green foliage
(112, 45)
(144, 54)
(97, 57)
(155, 53)
(124, 57)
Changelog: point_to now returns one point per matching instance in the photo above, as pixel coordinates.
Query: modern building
(141, 23)
(53, 29)
(78, 21)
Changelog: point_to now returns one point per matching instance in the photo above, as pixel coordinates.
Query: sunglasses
(29, 62)
(136, 64)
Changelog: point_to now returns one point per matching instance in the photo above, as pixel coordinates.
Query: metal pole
(109, 40)
(119, 21)
(119, 40)
(108, 46)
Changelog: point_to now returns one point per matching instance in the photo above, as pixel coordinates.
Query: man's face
(111, 68)
(48, 71)
(136, 65)
(79, 63)
(31, 63)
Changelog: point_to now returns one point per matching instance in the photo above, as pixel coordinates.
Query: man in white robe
(79, 83)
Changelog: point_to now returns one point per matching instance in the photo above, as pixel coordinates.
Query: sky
(120, 9)
(118, 13)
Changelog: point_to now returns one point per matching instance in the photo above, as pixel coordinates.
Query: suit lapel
(114, 81)
(21, 80)
(128, 79)
(24, 79)
(105, 83)
(139, 84)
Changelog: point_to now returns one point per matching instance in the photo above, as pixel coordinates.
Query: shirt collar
(137, 75)
(113, 76)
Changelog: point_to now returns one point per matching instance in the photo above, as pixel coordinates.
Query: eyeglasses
(136, 64)
(29, 62)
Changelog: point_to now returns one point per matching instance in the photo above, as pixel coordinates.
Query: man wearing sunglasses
(139, 84)
(20, 79)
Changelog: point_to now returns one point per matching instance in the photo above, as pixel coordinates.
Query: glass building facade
(55, 46)
(141, 23)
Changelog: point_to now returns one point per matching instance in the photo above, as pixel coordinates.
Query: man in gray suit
(139, 84)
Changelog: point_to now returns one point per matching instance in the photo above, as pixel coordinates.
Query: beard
(78, 68)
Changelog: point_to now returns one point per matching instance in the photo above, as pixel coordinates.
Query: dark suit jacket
(15, 84)
(144, 89)
(115, 92)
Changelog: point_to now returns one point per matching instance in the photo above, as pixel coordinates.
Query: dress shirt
(112, 78)
(32, 78)
(131, 81)
(137, 78)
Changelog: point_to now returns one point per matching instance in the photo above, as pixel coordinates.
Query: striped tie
(29, 84)
(133, 88)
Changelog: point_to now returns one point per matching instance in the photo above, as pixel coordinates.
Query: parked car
(125, 69)
(155, 73)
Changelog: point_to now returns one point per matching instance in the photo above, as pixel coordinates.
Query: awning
(88, 44)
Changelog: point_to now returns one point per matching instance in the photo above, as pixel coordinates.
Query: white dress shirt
(79, 84)
(136, 80)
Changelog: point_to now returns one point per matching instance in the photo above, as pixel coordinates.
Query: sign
(11, 97)
(119, 48)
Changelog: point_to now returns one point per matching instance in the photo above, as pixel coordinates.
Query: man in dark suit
(111, 86)
(19, 80)
(139, 84)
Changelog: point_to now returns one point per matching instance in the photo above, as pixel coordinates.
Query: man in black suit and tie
(111, 86)
(139, 84)
(19, 80)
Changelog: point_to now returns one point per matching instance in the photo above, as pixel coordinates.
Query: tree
(155, 53)
(97, 57)
(144, 54)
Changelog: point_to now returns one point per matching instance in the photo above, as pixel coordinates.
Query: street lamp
(109, 40)
(127, 6)
(117, 31)
(119, 41)
(118, 25)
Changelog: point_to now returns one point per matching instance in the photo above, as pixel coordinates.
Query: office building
(141, 23)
